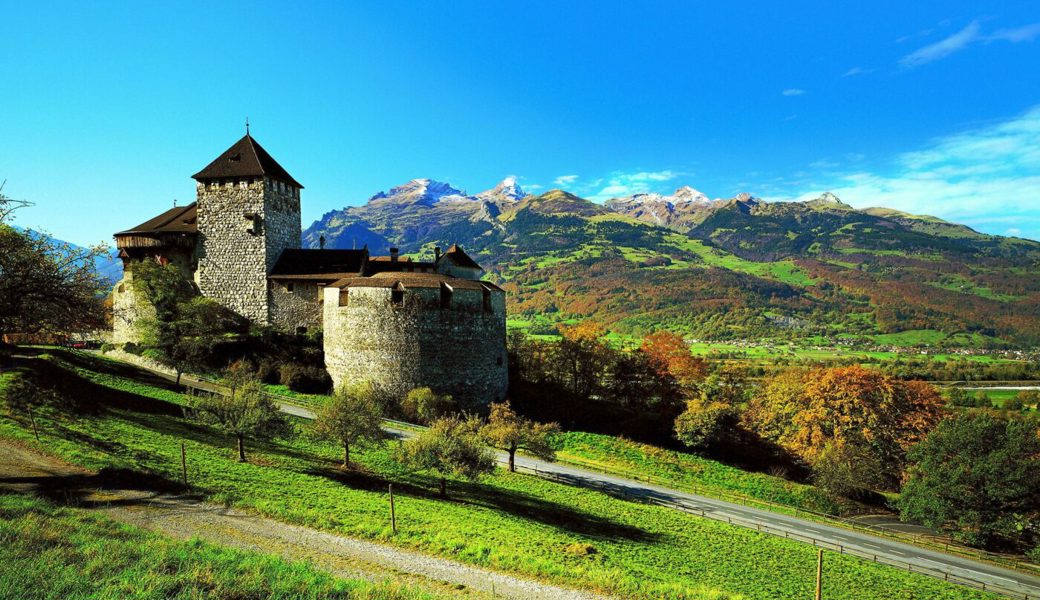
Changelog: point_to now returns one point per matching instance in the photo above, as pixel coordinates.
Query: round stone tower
(401, 331)
(248, 213)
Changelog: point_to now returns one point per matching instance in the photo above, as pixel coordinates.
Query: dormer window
(397, 295)
(446, 294)
(486, 297)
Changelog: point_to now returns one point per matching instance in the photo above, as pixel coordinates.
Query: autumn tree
(977, 476)
(848, 408)
(508, 431)
(451, 446)
(351, 417)
(246, 412)
(582, 356)
(670, 355)
(703, 424)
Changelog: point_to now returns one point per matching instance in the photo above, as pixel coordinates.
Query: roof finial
(247, 125)
(175, 203)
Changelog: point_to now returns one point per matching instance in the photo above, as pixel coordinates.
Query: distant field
(510, 522)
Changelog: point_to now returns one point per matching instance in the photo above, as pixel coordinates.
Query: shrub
(423, 405)
(303, 379)
(1034, 555)
(267, 371)
(132, 348)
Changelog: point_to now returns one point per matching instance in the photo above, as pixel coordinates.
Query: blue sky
(929, 107)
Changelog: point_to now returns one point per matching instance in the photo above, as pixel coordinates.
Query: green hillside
(748, 270)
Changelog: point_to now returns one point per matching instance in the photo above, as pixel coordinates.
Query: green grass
(785, 271)
(47, 552)
(689, 472)
(509, 522)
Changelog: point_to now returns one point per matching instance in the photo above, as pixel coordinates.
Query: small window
(487, 300)
(121, 288)
(290, 287)
(498, 361)
(397, 297)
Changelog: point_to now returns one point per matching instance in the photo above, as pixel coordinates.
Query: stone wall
(291, 310)
(459, 350)
(128, 307)
(237, 252)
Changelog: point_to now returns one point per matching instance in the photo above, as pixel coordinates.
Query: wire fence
(784, 533)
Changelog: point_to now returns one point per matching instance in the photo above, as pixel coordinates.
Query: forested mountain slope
(717, 269)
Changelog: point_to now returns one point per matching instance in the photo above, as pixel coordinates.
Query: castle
(396, 322)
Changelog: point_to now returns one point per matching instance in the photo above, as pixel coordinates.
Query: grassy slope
(51, 552)
(509, 522)
(688, 471)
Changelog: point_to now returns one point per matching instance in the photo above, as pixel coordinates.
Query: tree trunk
(178, 382)
(241, 450)
(444, 488)
(346, 454)
(512, 460)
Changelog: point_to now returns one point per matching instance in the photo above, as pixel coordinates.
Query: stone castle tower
(398, 322)
(248, 214)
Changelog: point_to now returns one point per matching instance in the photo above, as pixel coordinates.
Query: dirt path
(182, 517)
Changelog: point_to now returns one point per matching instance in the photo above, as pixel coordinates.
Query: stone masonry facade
(244, 226)
(418, 342)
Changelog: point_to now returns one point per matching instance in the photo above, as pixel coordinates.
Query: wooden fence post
(184, 467)
(393, 513)
(32, 419)
(819, 574)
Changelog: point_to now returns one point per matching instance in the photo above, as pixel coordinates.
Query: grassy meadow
(510, 522)
(51, 552)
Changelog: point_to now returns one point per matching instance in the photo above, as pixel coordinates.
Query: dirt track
(184, 517)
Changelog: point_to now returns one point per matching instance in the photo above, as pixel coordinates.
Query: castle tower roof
(246, 158)
(457, 255)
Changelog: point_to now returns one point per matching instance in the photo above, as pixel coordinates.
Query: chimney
(436, 253)
(393, 255)
(321, 242)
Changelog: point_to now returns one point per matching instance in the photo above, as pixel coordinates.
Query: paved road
(995, 578)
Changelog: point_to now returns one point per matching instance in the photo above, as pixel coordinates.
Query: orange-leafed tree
(670, 355)
(841, 412)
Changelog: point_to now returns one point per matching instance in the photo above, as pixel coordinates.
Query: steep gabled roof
(180, 219)
(246, 158)
(295, 262)
(456, 255)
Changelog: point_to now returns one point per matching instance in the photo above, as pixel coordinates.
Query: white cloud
(565, 179)
(962, 39)
(625, 184)
(984, 177)
(942, 48)
(793, 92)
(1019, 34)
(1015, 231)
(856, 71)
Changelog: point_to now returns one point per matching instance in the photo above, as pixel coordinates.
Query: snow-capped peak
(425, 191)
(507, 189)
(689, 194)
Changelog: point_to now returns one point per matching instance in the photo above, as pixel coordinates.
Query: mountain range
(736, 268)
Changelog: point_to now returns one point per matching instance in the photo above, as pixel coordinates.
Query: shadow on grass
(82, 489)
(511, 502)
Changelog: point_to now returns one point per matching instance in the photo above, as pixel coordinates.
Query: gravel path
(184, 517)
